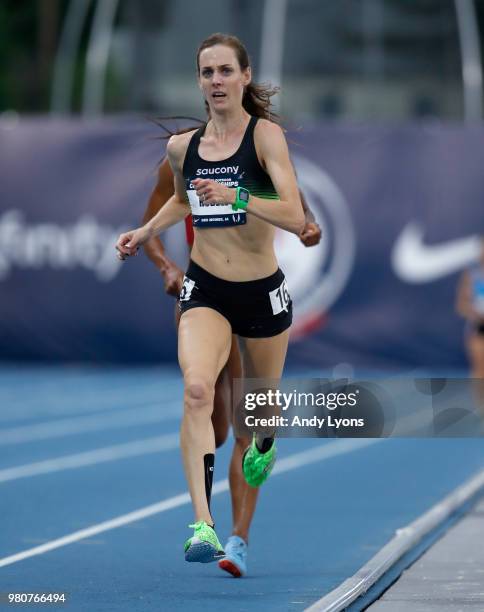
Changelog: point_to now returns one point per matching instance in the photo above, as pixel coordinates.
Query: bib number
(186, 290)
(280, 298)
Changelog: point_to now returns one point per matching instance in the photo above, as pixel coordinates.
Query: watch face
(244, 195)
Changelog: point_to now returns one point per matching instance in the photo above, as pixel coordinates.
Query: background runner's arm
(154, 249)
(308, 213)
(162, 192)
(176, 208)
(311, 233)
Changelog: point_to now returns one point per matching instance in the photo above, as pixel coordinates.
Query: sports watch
(242, 196)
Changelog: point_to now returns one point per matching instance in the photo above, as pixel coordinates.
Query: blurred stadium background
(382, 101)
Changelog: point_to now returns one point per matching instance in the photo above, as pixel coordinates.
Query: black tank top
(242, 169)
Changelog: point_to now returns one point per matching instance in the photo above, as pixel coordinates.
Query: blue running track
(79, 447)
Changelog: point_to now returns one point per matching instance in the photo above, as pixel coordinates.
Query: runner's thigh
(264, 357)
(204, 340)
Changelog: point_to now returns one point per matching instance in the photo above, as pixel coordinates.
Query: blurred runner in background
(470, 305)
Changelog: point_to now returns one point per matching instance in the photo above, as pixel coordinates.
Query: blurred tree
(417, 33)
(29, 33)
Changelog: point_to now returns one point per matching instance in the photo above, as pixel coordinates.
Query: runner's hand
(212, 192)
(129, 242)
(310, 235)
(173, 278)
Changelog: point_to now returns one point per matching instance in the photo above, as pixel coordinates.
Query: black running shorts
(255, 309)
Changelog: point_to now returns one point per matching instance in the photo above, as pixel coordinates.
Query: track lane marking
(105, 454)
(63, 407)
(59, 428)
(287, 464)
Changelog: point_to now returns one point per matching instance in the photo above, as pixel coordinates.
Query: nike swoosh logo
(415, 262)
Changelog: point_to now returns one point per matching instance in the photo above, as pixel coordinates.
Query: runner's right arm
(175, 209)
(154, 249)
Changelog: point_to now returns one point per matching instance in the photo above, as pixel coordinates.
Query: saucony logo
(220, 170)
(414, 261)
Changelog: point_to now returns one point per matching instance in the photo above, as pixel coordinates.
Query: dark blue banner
(401, 212)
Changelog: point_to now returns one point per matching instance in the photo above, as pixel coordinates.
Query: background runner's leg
(262, 358)
(204, 339)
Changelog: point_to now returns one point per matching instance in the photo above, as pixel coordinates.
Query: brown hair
(163, 123)
(257, 97)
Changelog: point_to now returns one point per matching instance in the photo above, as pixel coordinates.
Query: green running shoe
(256, 465)
(203, 546)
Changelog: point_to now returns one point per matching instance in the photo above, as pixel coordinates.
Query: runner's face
(221, 80)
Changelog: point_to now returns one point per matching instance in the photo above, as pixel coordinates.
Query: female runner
(238, 180)
(244, 498)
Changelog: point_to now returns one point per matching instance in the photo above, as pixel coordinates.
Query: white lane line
(79, 406)
(313, 455)
(39, 402)
(75, 425)
(93, 457)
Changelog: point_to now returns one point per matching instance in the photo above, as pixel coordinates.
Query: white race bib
(214, 215)
(186, 290)
(280, 298)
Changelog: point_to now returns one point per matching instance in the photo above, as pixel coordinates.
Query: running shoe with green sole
(256, 465)
(203, 546)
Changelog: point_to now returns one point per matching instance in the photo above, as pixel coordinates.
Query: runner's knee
(198, 395)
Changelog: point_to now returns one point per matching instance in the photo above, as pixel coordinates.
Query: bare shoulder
(270, 141)
(269, 129)
(177, 146)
